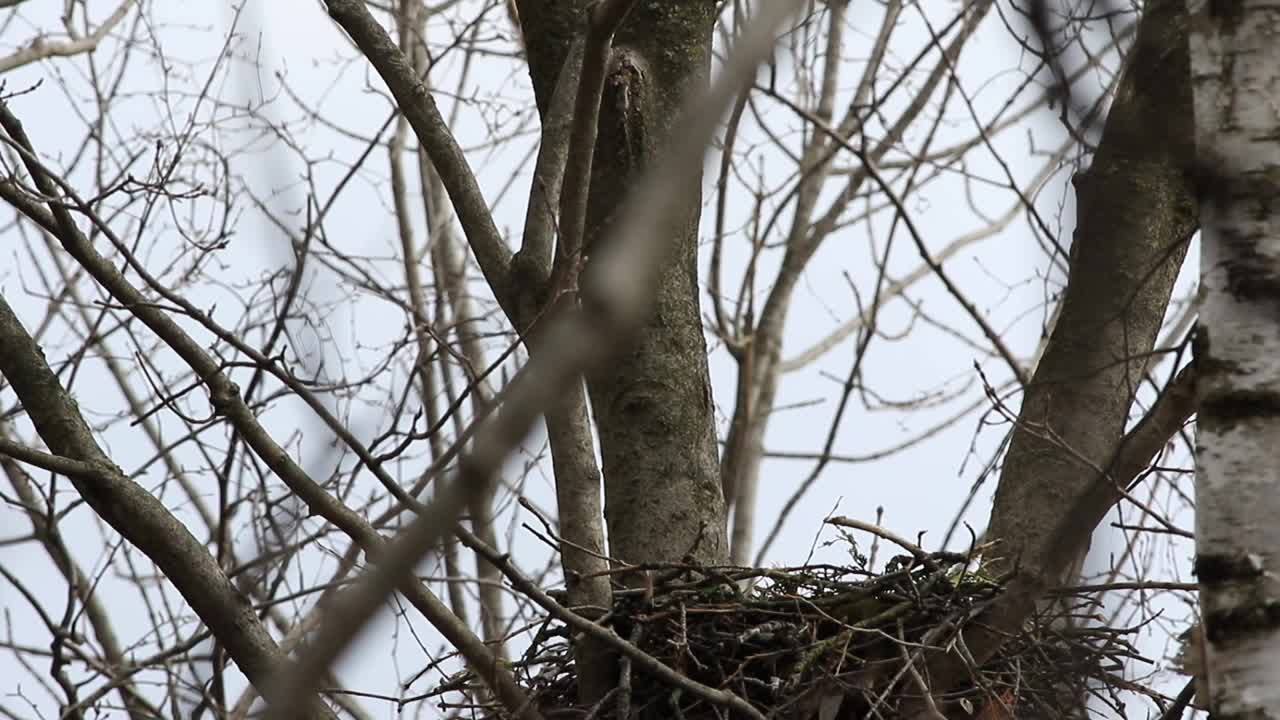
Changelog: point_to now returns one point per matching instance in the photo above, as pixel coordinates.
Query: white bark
(1235, 55)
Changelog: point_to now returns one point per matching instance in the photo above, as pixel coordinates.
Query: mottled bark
(653, 407)
(1235, 55)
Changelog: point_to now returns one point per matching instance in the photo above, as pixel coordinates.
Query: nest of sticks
(828, 642)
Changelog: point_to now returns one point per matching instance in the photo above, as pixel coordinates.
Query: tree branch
(642, 659)
(138, 516)
(419, 107)
(72, 468)
(603, 21)
(1137, 450)
(533, 262)
(1136, 212)
(40, 49)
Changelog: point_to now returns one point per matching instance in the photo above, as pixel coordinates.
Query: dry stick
(41, 49)
(902, 542)
(930, 705)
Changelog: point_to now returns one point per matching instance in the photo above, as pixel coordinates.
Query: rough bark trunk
(1235, 54)
(653, 408)
(1136, 211)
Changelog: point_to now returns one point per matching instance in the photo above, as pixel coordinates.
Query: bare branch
(580, 341)
(226, 400)
(132, 511)
(915, 550)
(533, 262)
(70, 467)
(419, 107)
(604, 18)
(41, 49)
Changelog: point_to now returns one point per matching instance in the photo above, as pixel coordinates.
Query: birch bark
(1235, 62)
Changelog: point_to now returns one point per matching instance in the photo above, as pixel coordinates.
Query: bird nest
(828, 642)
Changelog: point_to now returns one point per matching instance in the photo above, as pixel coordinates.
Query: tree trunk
(1135, 212)
(653, 409)
(1235, 53)
(1068, 460)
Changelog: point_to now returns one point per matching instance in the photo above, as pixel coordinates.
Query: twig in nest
(916, 551)
(930, 706)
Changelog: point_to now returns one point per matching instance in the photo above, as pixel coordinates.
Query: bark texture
(653, 407)
(1136, 211)
(1235, 52)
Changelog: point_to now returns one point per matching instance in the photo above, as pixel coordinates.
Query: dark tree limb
(1069, 459)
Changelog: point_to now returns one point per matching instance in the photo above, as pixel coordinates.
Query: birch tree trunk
(1235, 55)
